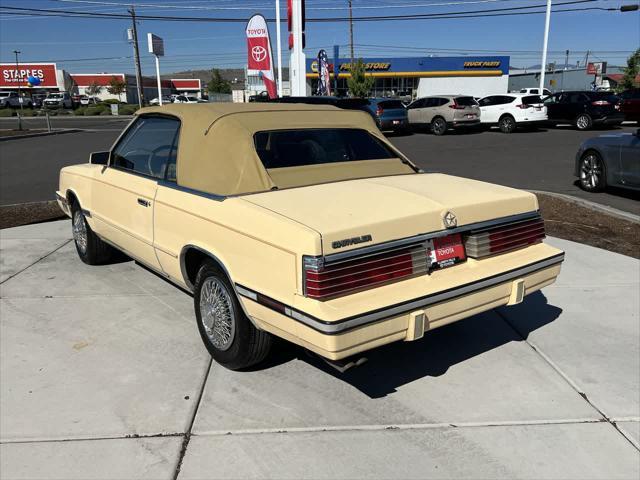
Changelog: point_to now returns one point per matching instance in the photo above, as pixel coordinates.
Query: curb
(592, 205)
(41, 134)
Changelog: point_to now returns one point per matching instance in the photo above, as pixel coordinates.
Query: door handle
(143, 202)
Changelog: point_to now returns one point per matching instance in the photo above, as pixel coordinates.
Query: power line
(459, 14)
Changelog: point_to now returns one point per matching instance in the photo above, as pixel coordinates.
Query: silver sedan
(611, 160)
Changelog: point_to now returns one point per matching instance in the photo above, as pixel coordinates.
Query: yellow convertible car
(303, 222)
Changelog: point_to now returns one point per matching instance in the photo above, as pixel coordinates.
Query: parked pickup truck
(302, 222)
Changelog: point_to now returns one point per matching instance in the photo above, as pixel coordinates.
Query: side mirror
(99, 158)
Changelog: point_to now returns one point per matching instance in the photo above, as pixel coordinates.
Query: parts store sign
(14, 76)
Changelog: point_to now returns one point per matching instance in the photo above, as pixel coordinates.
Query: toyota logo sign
(259, 53)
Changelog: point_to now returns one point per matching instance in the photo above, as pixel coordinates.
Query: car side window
(487, 101)
(149, 148)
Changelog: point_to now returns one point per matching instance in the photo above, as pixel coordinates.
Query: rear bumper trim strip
(346, 324)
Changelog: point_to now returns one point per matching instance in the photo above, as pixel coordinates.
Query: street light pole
(17, 52)
(544, 47)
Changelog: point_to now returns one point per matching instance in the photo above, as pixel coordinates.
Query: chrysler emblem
(449, 220)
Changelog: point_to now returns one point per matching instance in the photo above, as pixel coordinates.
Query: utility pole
(136, 55)
(566, 59)
(17, 52)
(543, 67)
(351, 31)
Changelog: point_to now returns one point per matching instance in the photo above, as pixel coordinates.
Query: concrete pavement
(104, 376)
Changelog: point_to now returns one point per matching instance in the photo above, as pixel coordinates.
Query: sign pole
(158, 77)
(543, 67)
(156, 47)
(279, 48)
(297, 67)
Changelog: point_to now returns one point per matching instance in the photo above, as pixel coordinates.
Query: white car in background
(512, 110)
(87, 100)
(165, 100)
(186, 99)
(535, 91)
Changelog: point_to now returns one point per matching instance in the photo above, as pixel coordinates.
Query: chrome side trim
(193, 191)
(336, 257)
(345, 324)
(62, 199)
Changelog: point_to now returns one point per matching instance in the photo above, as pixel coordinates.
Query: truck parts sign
(12, 76)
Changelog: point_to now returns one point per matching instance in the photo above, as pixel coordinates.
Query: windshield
(55, 95)
(296, 148)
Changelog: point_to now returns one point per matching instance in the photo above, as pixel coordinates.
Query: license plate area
(446, 251)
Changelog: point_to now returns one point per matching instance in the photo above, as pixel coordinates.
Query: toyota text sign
(259, 52)
(12, 76)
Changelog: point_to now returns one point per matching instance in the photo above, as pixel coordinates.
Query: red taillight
(504, 237)
(379, 111)
(523, 106)
(336, 279)
(600, 103)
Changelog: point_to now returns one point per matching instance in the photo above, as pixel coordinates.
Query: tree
(217, 84)
(117, 87)
(631, 71)
(94, 89)
(359, 84)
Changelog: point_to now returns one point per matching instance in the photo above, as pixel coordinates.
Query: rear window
(466, 101)
(391, 104)
(531, 100)
(297, 148)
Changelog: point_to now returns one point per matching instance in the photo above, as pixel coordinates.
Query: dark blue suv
(389, 114)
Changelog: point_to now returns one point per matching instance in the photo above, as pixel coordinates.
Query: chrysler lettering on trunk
(351, 241)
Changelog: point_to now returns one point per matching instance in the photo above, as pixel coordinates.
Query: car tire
(507, 124)
(583, 121)
(228, 334)
(91, 249)
(438, 126)
(592, 172)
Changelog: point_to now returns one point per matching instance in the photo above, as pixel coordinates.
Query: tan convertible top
(217, 155)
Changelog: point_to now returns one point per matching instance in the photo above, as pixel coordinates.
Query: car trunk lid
(378, 210)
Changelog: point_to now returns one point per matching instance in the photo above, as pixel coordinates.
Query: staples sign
(12, 76)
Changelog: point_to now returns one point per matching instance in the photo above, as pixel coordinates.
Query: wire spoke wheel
(80, 231)
(217, 313)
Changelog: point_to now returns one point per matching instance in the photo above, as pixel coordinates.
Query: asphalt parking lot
(539, 160)
(104, 375)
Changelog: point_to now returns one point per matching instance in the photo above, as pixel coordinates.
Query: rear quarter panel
(260, 249)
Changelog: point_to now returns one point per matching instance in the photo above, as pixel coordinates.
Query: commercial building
(53, 79)
(421, 76)
(558, 80)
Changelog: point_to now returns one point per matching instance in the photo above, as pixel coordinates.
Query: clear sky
(87, 45)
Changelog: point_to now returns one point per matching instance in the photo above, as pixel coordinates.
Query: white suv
(536, 91)
(512, 110)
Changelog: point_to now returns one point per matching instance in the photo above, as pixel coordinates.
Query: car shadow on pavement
(400, 363)
(617, 191)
